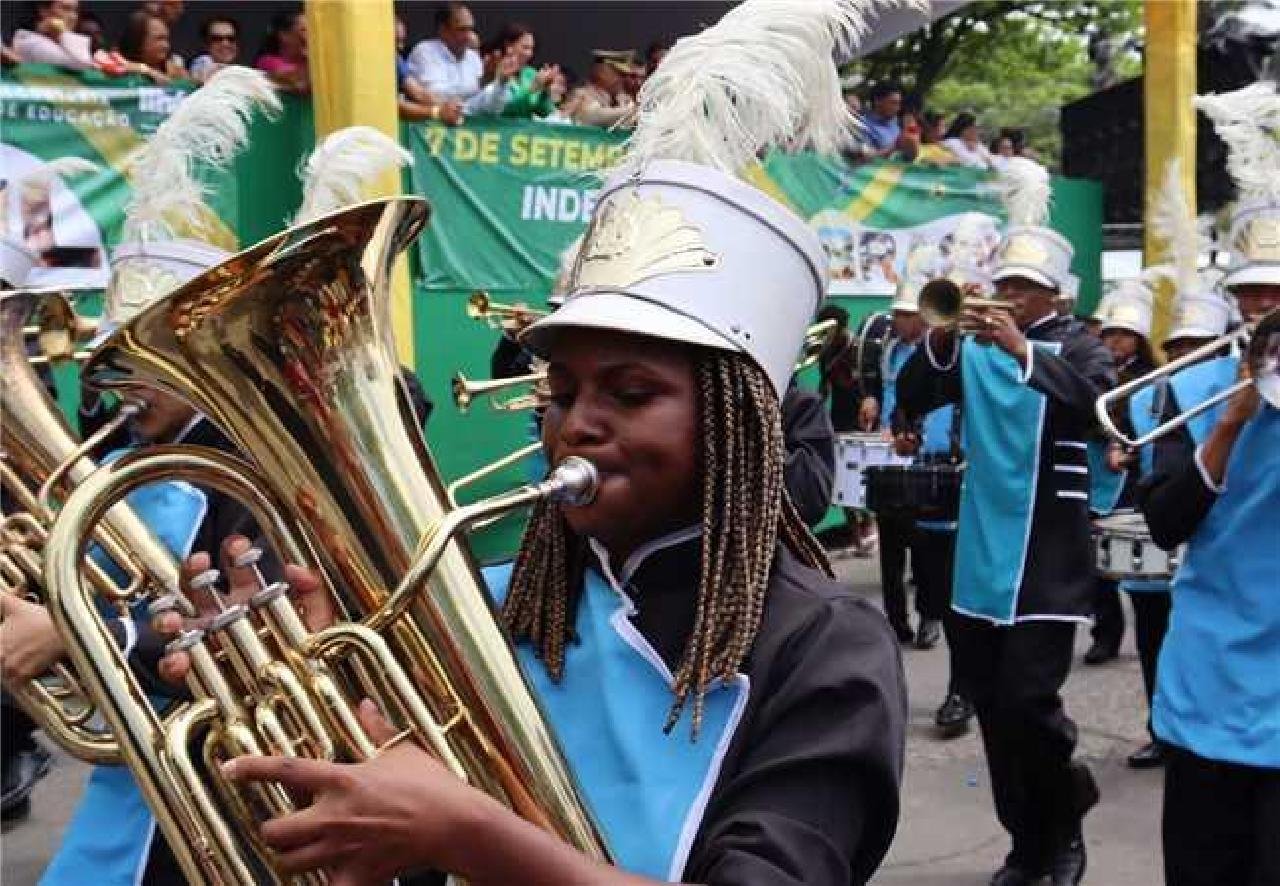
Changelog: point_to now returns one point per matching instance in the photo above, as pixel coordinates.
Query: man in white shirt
(452, 70)
(54, 40)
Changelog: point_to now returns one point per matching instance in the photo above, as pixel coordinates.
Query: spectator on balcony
(284, 53)
(653, 56)
(882, 128)
(929, 148)
(146, 48)
(964, 140)
(1002, 151)
(91, 26)
(414, 100)
(452, 70)
(604, 100)
(53, 39)
(221, 38)
(529, 92)
(170, 12)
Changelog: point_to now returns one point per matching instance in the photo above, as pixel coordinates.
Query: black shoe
(929, 634)
(1012, 875)
(954, 715)
(1101, 653)
(1149, 756)
(1068, 865)
(904, 632)
(21, 773)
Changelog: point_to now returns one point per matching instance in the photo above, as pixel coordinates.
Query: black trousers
(1108, 614)
(16, 729)
(1150, 624)
(932, 555)
(897, 530)
(934, 564)
(1014, 675)
(1221, 823)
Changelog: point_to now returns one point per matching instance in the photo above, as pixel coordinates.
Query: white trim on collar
(639, 555)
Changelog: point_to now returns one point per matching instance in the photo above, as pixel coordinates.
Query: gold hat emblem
(134, 286)
(1024, 250)
(634, 238)
(1259, 240)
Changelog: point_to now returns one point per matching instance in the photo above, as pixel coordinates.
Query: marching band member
(1217, 700)
(1026, 382)
(733, 714)
(933, 547)
(1125, 329)
(112, 837)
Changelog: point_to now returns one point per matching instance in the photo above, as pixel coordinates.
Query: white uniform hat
(1204, 314)
(679, 248)
(1129, 306)
(685, 253)
(1247, 120)
(1030, 249)
(209, 127)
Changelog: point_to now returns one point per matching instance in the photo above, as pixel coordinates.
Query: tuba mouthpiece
(574, 482)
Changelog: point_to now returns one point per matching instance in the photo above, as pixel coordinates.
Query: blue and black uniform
(794, 778)
(1217, 698)
(1019, 587)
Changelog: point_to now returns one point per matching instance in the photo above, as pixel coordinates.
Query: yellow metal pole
(1169, 84)
(351, 54)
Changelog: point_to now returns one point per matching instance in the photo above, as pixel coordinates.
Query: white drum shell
(854, 454)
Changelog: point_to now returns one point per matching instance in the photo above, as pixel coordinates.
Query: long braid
(746, 512)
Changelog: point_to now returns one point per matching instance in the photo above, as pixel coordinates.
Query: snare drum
(929, 490)
(1123, 549)
(855, 453)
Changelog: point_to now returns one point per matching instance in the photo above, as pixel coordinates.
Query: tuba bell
(288, 348)
(40, 458)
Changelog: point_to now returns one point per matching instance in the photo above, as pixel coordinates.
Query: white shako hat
(209, 127)
(1203, 314)
(925, 262)
(1246, 120)
(16, 261)
(1029, 249)
(680, 248)
(1129, 306)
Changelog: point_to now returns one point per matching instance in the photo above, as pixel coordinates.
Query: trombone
(1260, 348)
(496, 314)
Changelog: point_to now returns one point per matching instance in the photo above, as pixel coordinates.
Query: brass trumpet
(41, 458)
(288, 348)
(466, 391)
(58, 328)
(815, 339)
(943, 303)
(496, 314)
(1259, 345)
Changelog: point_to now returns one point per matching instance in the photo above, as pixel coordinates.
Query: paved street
(948, 834)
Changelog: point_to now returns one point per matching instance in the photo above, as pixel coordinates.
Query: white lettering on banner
(539, 203)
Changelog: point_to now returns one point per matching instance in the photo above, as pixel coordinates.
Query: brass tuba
(40, 458)
(288, 347)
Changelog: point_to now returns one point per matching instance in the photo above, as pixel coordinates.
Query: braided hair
(746, 511)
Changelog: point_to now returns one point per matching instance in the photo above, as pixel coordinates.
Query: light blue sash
(1003, 421)
(648, 789)
(109, 837)
(1218, 692)
(894, 359)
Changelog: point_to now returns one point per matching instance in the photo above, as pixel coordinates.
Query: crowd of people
(448, 77)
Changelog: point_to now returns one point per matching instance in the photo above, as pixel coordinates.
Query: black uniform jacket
(1174, 496)
(811, 453)
(1057, 580)
(808, 791)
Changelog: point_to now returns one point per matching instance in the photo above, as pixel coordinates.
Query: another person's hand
(1244, 403)
(451, 113)
(29, 643)
(368, 822)
(906, 443)
(1118, 459)
(305, 589)
(543, 79)
(1000, 329)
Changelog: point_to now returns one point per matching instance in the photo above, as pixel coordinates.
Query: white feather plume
(208, 128)
(1248, 121)
(1185, 236)
(63, 167)
(763, 76)
(343, 165)
(1025, 191)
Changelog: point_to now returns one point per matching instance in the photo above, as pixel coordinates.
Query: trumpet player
(1217, 699)
(732, 713)
(1026, 380)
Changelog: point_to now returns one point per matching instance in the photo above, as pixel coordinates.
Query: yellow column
(1169, 84)
(351, 52)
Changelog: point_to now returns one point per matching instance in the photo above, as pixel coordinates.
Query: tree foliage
(1013, 63)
